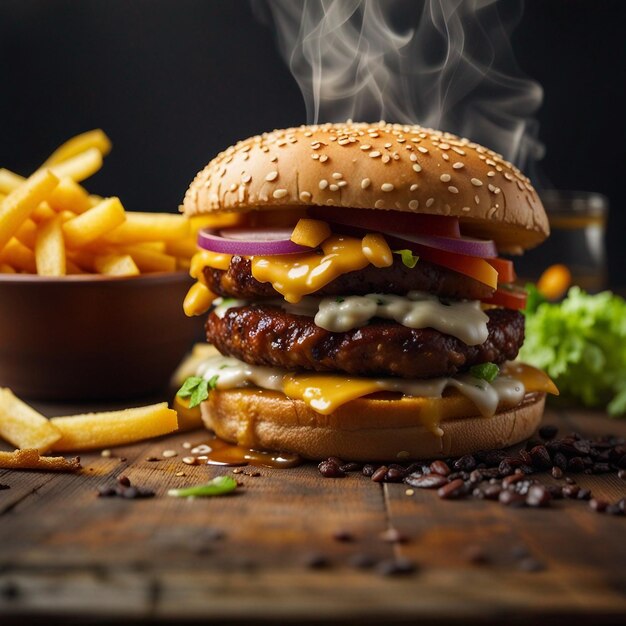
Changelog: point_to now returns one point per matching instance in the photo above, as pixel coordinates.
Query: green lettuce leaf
(581, 343)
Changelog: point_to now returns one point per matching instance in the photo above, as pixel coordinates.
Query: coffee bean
(317, 560)
(476, 476)
(368, 470)
(329, 469)
(396, 567)
(598, 505)
(466, 463)
(123, 480)
(492, 492)
(560, 460)
(345, 536)
(557, 472)
(505, 468)
(362, 560)
(601, 468)
(475, 555)
(510, 498)
(393, 535)
(548, 432)
(569, 480)
(614, 509)
(379, 474)
(540, 457)
(582, 446)
(512, 479)
(104, 491)
(494, 457)
(529, 564)
(336, 460)
(571, 491)
(350, 467)
(584, 494)
(575, 465)
(622, 505)
(394, 475)
(432, 481)
(555, 491)
(622, 474)
(452, 491)
(439, 467)
(538, 496)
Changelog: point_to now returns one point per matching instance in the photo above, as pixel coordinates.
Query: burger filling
(354, 312)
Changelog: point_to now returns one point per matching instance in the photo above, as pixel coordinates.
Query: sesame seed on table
(290, 544)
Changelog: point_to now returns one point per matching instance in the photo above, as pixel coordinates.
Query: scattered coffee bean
(396, 567)
(614, 509)
(345, 536)
(512, 499)
(540, 458)
(557, 472)
(362, 560)
(152, 459)
(432, 481)
(621, 474)
(350, 467)
(452, 491)
(529, 564)
(548, 432)
(475, 555)
(316, 560)
(440, 467)
(466, 463)
(584, 494)
(394, 475)
(393, 535)
(575, 464)
(368, 470)
(336, 460)
(560, 460)
(329, 469)
(571, 491)
(379, 475)
(123, 480)
(512, 479)
(601, 468)
(569, 480)
(538, 496)
(598, 505)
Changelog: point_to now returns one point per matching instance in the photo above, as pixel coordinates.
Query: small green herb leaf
(197, 389)
(339, 299)
(219, 486)
(485, 371)
(408, 258)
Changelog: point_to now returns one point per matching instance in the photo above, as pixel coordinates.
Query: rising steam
(444, 64)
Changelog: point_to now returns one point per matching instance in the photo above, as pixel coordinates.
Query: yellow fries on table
(51, 225)
(24, 427)
(114, 428)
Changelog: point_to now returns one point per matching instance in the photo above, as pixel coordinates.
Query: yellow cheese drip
(296, 275)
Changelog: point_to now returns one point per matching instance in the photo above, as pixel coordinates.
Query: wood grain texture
(67, 554)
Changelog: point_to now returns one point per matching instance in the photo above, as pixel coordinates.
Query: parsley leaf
(485, 371)
(408, 258)
(197, 389)
(339, 299)
(219, 486)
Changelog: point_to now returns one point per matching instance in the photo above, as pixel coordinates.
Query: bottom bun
(367, 429)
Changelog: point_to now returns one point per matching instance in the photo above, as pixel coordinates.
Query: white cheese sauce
(463, 319)
(504, 390)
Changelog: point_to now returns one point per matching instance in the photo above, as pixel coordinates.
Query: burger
(360, 307)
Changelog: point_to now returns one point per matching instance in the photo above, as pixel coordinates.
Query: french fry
(24, 427)
(114, 428)
(142, 227)
(69, 196)
(198, 300)
(116, 265)
(9, 181)
(21, 202)
(80, 166)
(78, 144)
(82, 259)
(31, 460)
(150, 260)
(73, 268)
(19, 256)
(27, 233)
(42, 213)
(5, 268)
(183, 248)
(50, 248)
(94, 223)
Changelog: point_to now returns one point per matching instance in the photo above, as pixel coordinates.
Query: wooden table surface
(76, 558)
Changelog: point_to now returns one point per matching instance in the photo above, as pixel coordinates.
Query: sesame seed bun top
(375, 166)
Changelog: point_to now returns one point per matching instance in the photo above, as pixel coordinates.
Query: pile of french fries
(33, 434)
(52, 226)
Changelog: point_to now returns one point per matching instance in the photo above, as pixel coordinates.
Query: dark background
(175, 81)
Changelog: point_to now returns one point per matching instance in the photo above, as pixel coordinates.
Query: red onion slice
(482, 248)
(249, 242)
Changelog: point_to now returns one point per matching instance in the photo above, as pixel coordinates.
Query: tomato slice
(509, 297)
(474, 267)
(398, 222)
(504, 267)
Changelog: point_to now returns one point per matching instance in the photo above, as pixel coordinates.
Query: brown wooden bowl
(92, 337)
